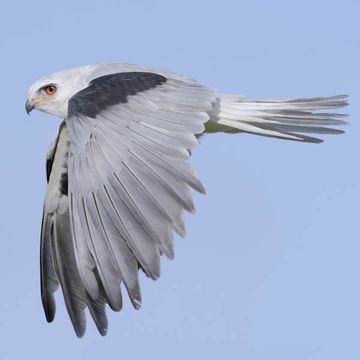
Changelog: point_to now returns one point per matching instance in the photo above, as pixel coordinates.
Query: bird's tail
(284, 119)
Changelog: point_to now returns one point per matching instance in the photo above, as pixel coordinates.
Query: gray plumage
(119, 179)
(58, 265)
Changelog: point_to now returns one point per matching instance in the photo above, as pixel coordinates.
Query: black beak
(29, 106)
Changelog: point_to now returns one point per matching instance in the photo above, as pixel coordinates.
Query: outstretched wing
(57, 257)
(130, 136)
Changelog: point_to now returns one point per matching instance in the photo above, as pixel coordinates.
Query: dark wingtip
(79, 334)
(79, 329)
(78, 321)
(102, 331)
(49, 306)
(101, 322)
(309, 139)
(97, 311)
(337, 131)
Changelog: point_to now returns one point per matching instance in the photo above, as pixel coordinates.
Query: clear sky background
(270, 265)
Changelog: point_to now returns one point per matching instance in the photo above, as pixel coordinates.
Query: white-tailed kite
(118, 176)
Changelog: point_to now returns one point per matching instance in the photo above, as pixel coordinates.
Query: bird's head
(51, 93)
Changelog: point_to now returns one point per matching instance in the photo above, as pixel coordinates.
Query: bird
(118, 174)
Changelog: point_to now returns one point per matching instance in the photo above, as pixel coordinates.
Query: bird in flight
(119, 178)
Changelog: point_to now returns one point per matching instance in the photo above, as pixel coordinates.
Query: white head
(52, 93)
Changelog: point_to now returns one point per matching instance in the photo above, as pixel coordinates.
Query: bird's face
(51, 94)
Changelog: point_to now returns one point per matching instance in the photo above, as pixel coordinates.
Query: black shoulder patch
(109, 90)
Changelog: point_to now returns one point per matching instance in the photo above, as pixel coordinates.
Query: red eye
(50, 90)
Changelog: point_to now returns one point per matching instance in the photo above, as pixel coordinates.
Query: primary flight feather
(118, 176)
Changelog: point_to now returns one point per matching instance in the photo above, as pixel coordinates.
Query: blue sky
(270, 265)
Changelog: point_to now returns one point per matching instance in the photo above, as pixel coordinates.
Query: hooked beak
(29, 106)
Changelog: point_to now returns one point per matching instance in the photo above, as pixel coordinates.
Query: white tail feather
(284, 119)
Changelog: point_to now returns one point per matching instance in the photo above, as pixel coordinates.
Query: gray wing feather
(75, 296)
(57, 256)
(129, 182)
(97, 311)
(49, 281)
(67, 273)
